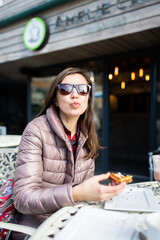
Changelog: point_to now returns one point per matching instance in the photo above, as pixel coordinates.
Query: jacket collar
(56, 125)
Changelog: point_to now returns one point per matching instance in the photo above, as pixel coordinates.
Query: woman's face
(73, 104)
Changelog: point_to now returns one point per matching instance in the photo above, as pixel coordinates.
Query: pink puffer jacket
(45, 168)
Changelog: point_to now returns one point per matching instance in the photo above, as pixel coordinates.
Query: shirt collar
(68, 132)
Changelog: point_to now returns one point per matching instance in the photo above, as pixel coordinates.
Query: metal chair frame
(8, 158)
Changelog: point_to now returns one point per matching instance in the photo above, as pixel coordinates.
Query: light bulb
(123, 85)
(132, 75)
(147, 77)
(116, 71)
(110, 76)
(140, 72)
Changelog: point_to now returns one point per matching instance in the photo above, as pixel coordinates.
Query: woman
(55, 164)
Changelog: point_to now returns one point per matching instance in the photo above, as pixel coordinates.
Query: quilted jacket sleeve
(29, 196)
(90, 172)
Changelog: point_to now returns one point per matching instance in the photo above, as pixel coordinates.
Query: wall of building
(9, 8)
(77, 23)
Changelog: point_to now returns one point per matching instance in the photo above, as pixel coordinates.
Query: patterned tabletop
(50, 228)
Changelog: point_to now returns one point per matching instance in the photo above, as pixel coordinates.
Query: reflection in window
(39, 88)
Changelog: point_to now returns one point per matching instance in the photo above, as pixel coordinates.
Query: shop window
(129, 82)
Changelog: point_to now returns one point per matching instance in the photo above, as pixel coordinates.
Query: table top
(9, 140)
(59, 219)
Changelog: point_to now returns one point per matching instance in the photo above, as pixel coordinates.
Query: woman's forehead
(74, 79)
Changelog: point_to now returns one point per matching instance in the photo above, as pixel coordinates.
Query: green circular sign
(35, 34)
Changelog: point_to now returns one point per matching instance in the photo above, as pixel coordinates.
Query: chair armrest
(18, 228)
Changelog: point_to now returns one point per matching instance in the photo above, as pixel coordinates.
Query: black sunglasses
(66, 88)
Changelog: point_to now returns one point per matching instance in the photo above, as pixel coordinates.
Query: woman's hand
(92, 190)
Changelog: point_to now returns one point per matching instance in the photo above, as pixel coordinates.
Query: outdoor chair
(8, 158)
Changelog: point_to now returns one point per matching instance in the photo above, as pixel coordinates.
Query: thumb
(102, 177)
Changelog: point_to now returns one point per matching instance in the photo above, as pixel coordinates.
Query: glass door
(129, 86)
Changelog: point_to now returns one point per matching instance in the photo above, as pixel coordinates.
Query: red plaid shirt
(74, 139)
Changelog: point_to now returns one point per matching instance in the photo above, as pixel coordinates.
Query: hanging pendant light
(140, 72)
(133, 75)
(123, 85)
(147, 77)
(110, 76)
(116, 71)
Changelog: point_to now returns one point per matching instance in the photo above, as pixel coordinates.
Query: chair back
(8, 158)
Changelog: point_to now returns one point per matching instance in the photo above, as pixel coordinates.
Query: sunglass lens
(83, 89)
(65, 89)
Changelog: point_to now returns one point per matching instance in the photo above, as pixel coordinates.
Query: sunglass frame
(74, 86)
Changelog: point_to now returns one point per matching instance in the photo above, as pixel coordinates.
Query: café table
(57, 221)
(9, 140)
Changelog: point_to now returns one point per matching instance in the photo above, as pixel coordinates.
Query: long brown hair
(87, 118)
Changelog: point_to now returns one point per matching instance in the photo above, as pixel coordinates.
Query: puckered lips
(75, 104)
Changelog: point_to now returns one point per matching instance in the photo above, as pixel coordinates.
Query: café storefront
(116, 41)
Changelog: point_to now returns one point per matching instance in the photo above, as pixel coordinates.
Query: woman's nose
(74, 93)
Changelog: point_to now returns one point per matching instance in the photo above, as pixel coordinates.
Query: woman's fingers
(110, 191)
(102, 177)
(92, 190)
(116, 188)
(112, 188)
(113, 183)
